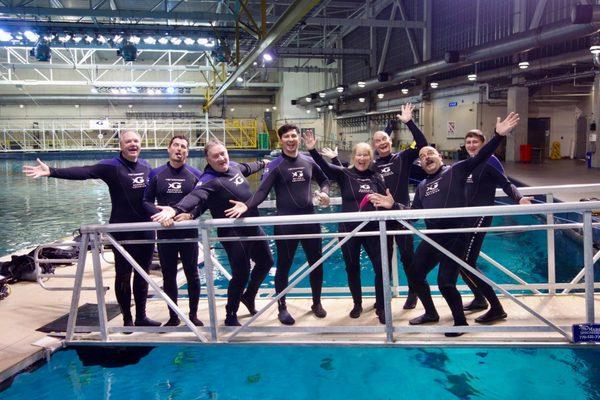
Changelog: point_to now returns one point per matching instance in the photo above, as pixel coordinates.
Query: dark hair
(283, 129)
(475, 133)
(182, 137)
(212, 143)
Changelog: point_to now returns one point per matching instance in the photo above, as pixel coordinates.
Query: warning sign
(451, 128)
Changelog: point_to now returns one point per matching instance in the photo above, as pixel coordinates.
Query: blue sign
(586, 333)
(453, 104)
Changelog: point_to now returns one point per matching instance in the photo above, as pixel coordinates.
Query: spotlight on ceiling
(330, 106)
(267, 57)
(134, 39)
(472, 77)
(308, 99)
(128, 51)
(340, 89)
(163, 40)
(322, 95)
(361, 84)
(433, 85)
(380, 96)
(404, 91)
(176, 41)
(239, 79)
(189, 41)
(524, 64)
(319, 109)
(361, 99)
(31, 36)
(149, 40)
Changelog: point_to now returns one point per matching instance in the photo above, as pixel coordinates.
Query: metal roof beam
(197, 16)
(368, 22)
(288, 19)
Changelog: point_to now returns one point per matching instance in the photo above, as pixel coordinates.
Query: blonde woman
(356, 183)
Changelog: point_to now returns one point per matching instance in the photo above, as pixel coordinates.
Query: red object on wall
(525, 153)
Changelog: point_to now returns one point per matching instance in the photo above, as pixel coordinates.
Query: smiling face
(290, 142)
(362, 156)
(474, 142)
(382, 143)
(178, 151)
(431, 160)
(130, 145)
(218, 158)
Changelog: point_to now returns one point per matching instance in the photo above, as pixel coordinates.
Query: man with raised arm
(291, 175)
(480, 190)
(126, 177)
(444, 188)
(222, 182)
(167, 185)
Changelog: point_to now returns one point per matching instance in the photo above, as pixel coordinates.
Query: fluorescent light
(433, 85)
(318, 109)
(5, 36)
(239, 79)
(308, 99)
(255, 63)
(330, 106)
(117, 39)
(524, 64)
(404, 91)
(322, 94)
(31, 36)
(134, 39)
(189, 41)
(149, 40)
(361, 99)
(49, 37)
(472, 77)
(176, 41)
(340, 89)
(308, 111)
(274, 108)
(163, 40)
(203, 41)
(361, 84)
(267, 57)
(380, 95)
(64, 38)
(88, 38)
(77, 38)
(267, 109)
(232, 109)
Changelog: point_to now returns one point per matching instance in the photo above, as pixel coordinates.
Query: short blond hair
(362, 146)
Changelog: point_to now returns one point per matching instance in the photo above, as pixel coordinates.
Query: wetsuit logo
(432, 189)
(386, 170)
(138, 182)
(470, 178)
(237, 179)
(174, 187)
(298, 175)
(365, 188)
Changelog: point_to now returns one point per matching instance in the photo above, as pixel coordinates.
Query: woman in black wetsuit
(356, 182)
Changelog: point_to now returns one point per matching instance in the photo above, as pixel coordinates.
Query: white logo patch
(297, 174)
(431, 189)
(137, 181)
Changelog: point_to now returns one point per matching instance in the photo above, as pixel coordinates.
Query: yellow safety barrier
(555, 153)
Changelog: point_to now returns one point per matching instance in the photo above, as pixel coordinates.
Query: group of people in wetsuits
(176, 192)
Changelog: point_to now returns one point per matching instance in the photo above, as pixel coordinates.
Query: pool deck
(29, 306)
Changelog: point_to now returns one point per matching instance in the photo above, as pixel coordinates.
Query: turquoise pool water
(42, 210)
(302, 372)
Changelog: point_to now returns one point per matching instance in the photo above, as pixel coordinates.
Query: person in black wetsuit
(291, 175)
(357, 182)
(444, 188)
(395, 169)
(167, 185)
(480, 190)
(126, 177)
(222, 182)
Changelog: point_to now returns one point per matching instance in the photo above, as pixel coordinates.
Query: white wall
(562, 123)
(464, 115)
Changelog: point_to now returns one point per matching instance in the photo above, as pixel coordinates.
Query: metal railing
(91, 235)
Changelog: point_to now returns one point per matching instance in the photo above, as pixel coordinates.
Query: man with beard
(167, 185)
